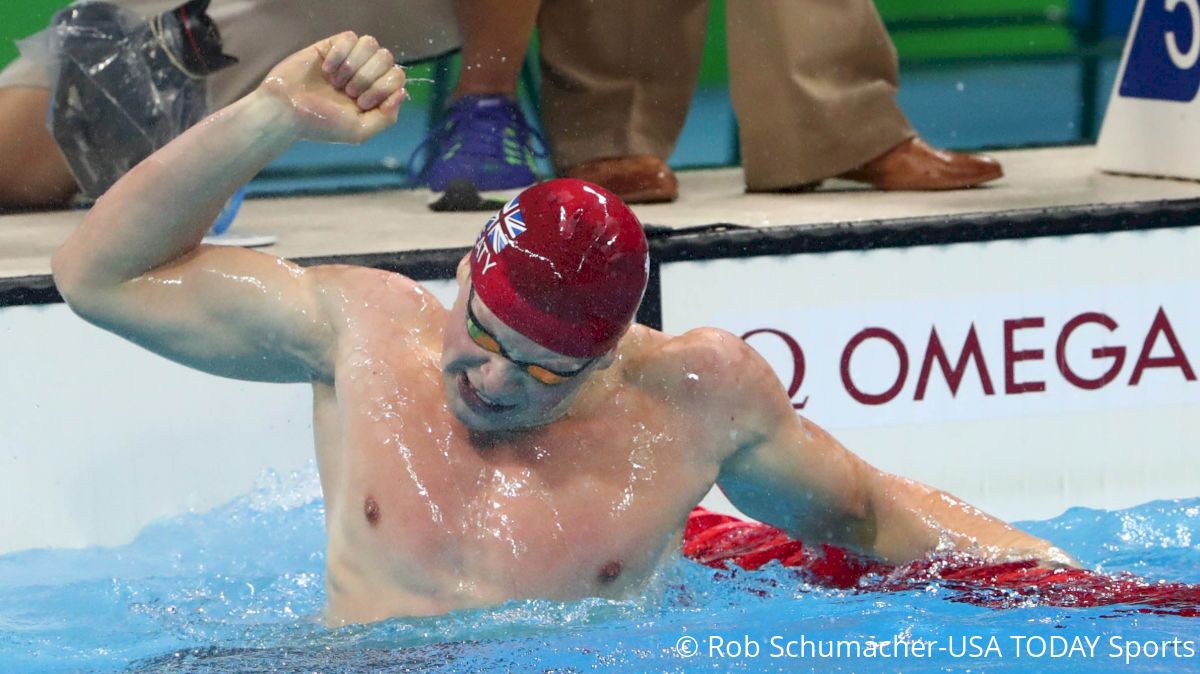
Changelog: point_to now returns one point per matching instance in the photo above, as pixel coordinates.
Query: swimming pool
(240, 588)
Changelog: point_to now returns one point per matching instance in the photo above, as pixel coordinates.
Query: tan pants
(813, 82)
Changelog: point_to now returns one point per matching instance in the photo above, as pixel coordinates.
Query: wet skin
(452, 479)
(426, 515)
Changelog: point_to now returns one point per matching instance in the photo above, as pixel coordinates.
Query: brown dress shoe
(640, 179)
(913, 165)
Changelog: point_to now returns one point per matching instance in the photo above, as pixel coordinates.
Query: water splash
(241, 588)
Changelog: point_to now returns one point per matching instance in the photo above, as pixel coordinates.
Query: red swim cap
(565, 264)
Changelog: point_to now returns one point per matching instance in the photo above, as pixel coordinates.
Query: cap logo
(501, 229)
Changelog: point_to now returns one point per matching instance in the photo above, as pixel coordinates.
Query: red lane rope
(720, 541)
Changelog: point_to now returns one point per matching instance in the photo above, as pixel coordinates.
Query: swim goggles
(488, 342)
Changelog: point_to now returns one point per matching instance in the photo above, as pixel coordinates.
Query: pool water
(240, 589)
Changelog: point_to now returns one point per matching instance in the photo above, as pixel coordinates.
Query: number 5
(1185, 61)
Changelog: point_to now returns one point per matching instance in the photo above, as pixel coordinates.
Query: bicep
(775, 466)
(232, 312)
(799, 478)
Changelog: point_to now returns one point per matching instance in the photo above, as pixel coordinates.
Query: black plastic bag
(127, 85)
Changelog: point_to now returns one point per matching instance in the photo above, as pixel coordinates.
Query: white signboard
(99, 437)
(1152, 126)
(1028, 376)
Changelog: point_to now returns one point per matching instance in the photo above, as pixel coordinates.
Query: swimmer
(528, 441)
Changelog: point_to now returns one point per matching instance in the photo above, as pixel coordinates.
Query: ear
(463, 272)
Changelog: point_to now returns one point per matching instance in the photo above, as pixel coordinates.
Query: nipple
(609, 572)
(371, 510)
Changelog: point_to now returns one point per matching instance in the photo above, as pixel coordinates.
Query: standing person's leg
(814, 87)
(495, 35)
(617, 82)
(483, 145)
(33, 172)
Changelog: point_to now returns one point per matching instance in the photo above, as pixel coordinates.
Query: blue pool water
(240, 589)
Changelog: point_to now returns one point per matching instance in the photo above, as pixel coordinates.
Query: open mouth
(475, 400)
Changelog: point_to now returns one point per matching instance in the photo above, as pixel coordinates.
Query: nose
(499, 380)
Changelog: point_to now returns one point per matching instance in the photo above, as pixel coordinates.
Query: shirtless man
(525, 442)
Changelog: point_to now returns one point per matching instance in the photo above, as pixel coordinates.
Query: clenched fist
(343, 89)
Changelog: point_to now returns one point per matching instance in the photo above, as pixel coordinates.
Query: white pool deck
(393, 221)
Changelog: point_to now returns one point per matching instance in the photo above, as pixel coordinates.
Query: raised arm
(136, 266)
(791, 474)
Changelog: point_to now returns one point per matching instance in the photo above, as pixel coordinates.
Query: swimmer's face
(492, 391)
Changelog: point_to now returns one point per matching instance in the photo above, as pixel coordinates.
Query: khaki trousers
(813, 82)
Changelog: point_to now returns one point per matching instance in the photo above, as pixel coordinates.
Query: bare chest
(577, 508)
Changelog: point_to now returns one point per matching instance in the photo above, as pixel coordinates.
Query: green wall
(977, 28)
(20, 18)
(963, 29)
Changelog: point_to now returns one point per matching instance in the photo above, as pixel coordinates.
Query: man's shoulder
(714, 378)
(710, 347)
(704, 360)
(366, 284)
(349, 290)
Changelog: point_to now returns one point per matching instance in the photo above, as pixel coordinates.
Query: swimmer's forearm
(163, 207)
(912, 520)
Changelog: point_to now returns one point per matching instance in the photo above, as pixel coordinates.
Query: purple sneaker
(484, 141)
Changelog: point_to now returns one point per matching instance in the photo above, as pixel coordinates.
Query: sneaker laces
(479, 132)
